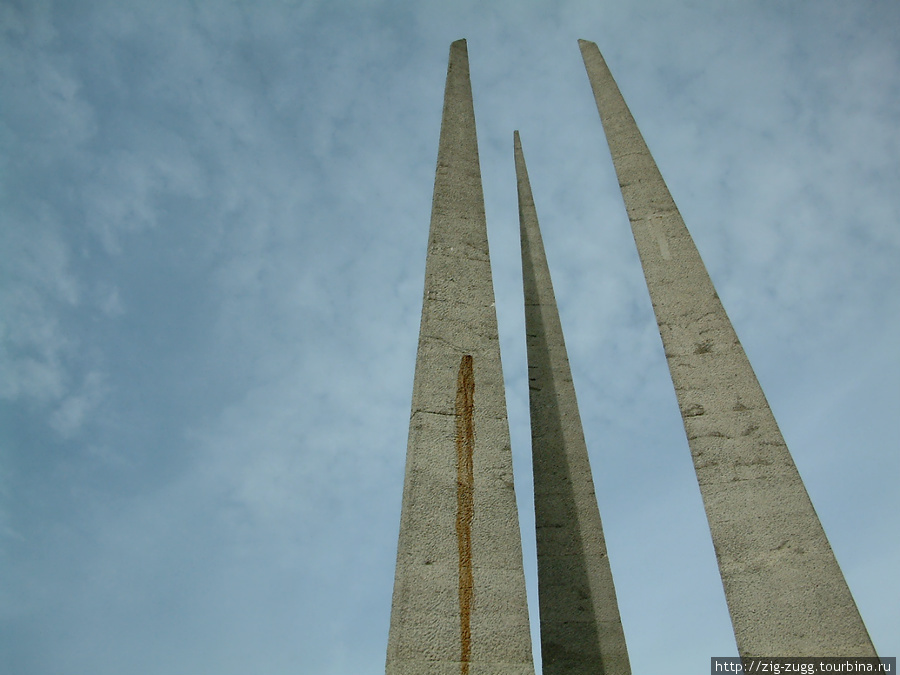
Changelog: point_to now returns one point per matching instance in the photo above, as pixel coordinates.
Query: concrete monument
(581, 631)
(459, 603)
(785, 591)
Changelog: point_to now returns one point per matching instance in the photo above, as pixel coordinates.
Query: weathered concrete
(459, 591)
(785, 591)
(581, 631)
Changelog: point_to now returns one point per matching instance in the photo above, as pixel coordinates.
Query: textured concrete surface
(459, 590)
(785, 591)
(581, 631)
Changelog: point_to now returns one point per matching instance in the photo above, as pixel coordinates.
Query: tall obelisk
(581, 630)
(459, 592)
(785, 591)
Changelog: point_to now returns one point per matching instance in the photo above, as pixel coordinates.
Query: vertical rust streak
(465, 504)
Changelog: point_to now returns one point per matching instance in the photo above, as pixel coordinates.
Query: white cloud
(72, 412)
(33, 343)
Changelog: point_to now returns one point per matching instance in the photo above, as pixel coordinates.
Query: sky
(213, 225)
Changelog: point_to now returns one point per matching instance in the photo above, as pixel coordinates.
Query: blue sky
(213, 219)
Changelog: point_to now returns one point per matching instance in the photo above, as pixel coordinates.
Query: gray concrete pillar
(459, 591)
(581, 631)
(785, 591)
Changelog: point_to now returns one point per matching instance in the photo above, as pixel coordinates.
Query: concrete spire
(785, 591)
(581, 631)
(459, 592)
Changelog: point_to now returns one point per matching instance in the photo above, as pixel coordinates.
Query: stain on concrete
(465, 502)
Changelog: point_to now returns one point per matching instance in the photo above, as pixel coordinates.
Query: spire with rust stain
(785, 591)
(459, 590)
(581, 631)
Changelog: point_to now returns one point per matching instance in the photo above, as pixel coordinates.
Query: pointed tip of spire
(589, 51)
(459, 59)
(459, 49)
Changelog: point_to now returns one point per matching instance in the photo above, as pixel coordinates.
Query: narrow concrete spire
(459, 591)
(784, 588)
(581, 631)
